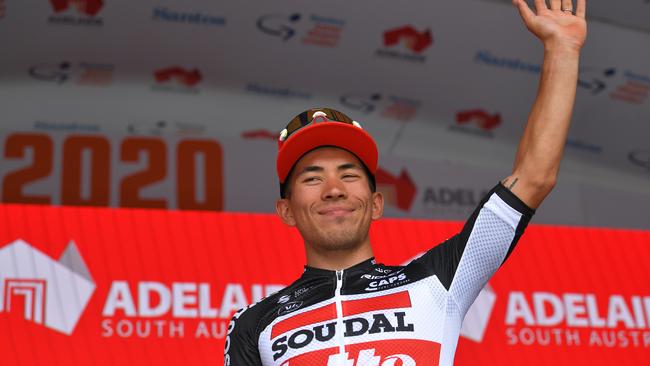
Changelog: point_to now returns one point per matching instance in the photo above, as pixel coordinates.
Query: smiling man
(348, 310)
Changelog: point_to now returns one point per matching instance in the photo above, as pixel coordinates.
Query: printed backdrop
(85, 286)
(106, 103)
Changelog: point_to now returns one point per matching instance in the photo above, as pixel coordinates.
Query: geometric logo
(42, 290)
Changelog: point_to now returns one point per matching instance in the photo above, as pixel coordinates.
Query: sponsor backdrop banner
(83, 286)
(182, 168)
(120, 103)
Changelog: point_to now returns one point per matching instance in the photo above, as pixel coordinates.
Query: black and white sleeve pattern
(465, 262)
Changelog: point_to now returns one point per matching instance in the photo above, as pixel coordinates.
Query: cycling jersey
(376, 315)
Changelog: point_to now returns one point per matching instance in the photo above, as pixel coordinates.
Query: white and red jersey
(376, 315)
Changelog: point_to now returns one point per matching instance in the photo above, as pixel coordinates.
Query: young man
(348, 310)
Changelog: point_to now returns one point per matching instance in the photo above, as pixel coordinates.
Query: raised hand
(557, 25)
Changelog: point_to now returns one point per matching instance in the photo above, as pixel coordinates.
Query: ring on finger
(567, 10)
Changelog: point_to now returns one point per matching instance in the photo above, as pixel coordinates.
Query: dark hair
(285, 190)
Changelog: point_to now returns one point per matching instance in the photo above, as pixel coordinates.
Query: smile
(335, 211)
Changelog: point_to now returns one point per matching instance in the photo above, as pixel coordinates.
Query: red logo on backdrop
(181, 76)
(480, 118)
(414, 40)
(398, 191)
(87, 7)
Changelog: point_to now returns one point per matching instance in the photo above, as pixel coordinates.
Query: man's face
(330, 200)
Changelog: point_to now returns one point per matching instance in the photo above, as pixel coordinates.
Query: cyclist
(346, 309)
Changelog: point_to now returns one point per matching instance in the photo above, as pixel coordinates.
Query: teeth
(355, 123)
(283, 135)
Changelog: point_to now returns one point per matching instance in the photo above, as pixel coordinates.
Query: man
(348, 310)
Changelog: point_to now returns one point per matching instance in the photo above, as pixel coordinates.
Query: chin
(340, 241)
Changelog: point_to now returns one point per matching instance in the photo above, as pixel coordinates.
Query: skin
(332, 206)
(540, 150)
(331, 203)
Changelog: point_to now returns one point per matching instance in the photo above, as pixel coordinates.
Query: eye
(350, 176)
(310, 179)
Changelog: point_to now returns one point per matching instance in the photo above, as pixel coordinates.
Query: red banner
(85, 286)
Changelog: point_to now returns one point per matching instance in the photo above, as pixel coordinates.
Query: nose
(334, 189)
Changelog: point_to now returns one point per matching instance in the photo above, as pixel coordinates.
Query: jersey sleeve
(465, 262)
(241, 342)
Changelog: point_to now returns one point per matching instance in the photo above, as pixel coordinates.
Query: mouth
(335, 211)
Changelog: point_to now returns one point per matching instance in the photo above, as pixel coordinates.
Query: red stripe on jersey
(327, 312)
(350, 307)
(393, 301)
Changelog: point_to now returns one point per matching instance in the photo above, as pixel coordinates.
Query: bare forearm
(541, 147)
(545, 133)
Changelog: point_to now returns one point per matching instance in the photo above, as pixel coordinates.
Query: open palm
(556, 25)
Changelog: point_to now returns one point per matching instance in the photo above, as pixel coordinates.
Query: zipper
(339, 314)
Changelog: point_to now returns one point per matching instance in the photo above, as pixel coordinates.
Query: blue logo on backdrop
(55, 73)
(584, 146)
(313, 30)
(390, 106)
(640, 158)
(277, 91)
(595, 80)
(625, 86)
(164, 14)
(512, 63)
(83, 73)
(365, 103)
(279, 25)
(65, 126)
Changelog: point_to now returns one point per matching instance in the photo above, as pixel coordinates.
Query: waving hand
(557, 25)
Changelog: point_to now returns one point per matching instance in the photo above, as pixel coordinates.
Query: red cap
(327, 133)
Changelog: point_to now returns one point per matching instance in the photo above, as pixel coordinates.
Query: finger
(525, 12)
(540, 5)
(567, 5)
(555, 4)
(581, 8)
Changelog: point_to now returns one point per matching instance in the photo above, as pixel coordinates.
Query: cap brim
(345, 136)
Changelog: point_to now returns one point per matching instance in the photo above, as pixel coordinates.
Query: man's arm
(241, 343)
(540, 149)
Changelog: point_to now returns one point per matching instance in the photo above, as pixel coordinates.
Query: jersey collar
(359, 267)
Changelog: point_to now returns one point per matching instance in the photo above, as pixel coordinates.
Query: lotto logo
(390, 352)
(47, 292)
(367, 358)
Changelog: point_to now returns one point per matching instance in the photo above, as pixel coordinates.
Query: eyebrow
(317, 168)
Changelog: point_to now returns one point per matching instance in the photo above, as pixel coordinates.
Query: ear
(377, 205)
(283, 209)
